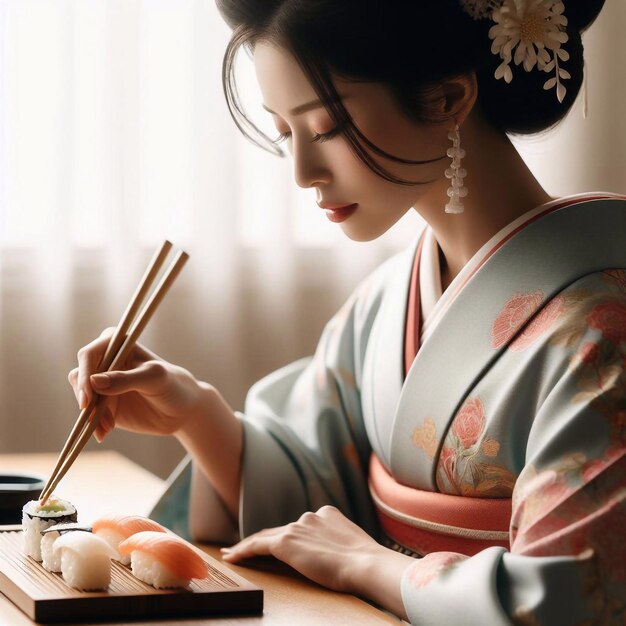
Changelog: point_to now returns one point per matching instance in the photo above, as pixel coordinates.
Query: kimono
(508, 394)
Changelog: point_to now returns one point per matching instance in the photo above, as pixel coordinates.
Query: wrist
(198, 418)
(376, 574)
(361, 572)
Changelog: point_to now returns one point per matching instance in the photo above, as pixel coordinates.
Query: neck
(500, 189)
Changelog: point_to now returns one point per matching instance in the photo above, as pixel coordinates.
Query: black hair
(411, 46)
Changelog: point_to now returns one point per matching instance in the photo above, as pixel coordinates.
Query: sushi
(36, 518)
(85, 560)
(163, 560)
(114, 529)
(49, 560)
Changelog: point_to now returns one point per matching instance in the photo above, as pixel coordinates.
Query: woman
(467, 404)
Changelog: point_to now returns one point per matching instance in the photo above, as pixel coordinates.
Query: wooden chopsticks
(120, 345)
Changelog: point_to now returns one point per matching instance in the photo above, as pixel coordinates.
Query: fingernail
(82, 399)
(100, 381)
(225, 549)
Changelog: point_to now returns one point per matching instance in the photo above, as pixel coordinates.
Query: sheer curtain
(114, 135)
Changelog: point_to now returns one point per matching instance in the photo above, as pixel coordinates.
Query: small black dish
(15, 491)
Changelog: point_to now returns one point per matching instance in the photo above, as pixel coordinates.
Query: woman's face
(328, 164)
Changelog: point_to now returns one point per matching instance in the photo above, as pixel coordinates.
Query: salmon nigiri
(163, 560)
(115, 528)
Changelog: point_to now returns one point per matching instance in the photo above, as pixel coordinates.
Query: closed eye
(321, 137)
(329, 135)
(282, 137)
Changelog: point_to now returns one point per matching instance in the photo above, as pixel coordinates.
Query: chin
(363, 234)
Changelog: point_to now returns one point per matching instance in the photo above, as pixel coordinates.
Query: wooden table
(107, 483)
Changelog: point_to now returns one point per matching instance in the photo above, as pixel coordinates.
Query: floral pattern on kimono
(569, 497)
(466, 464)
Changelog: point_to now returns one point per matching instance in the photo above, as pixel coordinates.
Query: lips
(332, 206)
(338, 212)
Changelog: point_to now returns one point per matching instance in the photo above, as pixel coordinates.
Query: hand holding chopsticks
(121, 343)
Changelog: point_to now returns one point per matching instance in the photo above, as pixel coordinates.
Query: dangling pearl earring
(456, 173)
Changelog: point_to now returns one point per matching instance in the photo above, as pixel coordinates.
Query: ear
(459, 96)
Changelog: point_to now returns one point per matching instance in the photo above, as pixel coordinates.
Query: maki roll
(115, 529)
(50, 560)
(36, 518)
(85, 560)
(163, 560)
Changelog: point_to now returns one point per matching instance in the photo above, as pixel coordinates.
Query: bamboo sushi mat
(45, 597)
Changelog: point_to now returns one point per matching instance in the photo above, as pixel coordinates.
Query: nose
(309, 168)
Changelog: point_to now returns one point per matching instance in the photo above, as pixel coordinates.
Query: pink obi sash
(426, 521)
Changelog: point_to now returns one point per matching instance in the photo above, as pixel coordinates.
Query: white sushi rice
(34, 520)
(32, 528)
(153, 572)
(85, 560)
(113, 538)
(90, 574)
(49, 560)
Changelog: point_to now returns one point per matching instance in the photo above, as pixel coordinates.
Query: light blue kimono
(519, 391)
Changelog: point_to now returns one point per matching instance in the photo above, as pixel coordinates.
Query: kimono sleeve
(567, 563)
(305, 443)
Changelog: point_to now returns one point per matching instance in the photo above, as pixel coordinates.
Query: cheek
(401, 137)
(358, 183)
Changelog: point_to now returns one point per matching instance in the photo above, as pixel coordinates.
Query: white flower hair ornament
(529, 32)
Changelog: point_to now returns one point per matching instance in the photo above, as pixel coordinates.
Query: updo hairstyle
(408, 45)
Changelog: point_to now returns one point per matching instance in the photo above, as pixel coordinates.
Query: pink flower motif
(540, 324)
(447, 463)
(514, 314)
(469, 422)
(610, 318)
(432, 565)
(588, 354)
(447, 459)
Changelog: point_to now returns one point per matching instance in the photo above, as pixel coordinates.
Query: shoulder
(583, 400)
(590, 301)
(589, 332)
(595, 303)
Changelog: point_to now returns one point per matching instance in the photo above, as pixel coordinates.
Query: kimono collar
(553, 248)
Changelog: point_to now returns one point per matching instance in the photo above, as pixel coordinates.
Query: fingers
(88, 359)
(255, 545)
(264, 542)
(107, 421)
(328, 510)
(277, 541)
(145, 379)
(105, 425)
(72, 378)
(90, 356)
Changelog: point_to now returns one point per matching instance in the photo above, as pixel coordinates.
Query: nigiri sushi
(163, 560)
(49, 560)
(114, 529)
(85, 560)
(36, 518)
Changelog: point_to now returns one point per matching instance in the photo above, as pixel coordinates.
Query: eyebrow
(303, 108)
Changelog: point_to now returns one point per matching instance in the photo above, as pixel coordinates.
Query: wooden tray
(45, 597)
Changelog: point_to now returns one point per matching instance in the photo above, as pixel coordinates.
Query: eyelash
(331, 134)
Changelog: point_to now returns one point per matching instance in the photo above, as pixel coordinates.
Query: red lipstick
(338, 212)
